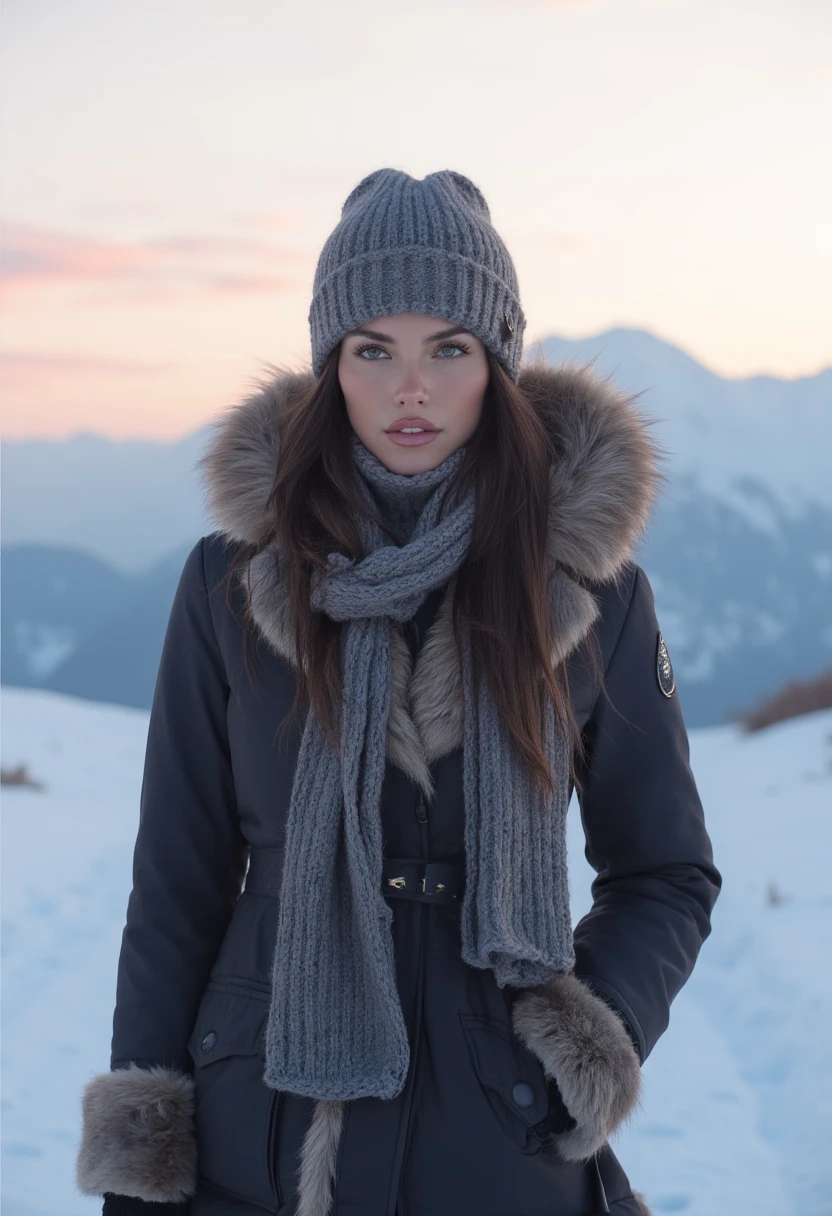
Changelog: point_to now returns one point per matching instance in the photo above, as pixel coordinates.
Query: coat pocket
(511, 1077)
(236, 1112)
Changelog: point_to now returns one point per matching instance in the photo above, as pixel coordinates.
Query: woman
(395, 1017)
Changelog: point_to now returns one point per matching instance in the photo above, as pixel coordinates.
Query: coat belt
(434, 882)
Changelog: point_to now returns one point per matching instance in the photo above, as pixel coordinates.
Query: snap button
(209, 1040)
(523, 1093)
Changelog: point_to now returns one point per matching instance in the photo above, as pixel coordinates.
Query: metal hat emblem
(507, 328)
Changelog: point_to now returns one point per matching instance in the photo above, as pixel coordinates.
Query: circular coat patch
(664, 669)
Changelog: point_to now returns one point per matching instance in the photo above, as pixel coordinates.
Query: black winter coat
(511, 1094)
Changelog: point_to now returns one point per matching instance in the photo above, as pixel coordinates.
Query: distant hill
(127, 502)
(739, 552)
(52, 598)
(72, 624)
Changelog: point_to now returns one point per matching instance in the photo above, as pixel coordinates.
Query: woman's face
(397, 367)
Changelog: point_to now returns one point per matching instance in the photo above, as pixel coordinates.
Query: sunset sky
(169, 172)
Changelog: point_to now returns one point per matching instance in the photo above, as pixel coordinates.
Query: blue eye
(460, 346)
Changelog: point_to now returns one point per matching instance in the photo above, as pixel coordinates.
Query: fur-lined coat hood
(602, 487)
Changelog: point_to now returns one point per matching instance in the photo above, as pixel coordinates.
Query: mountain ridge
(739, 549)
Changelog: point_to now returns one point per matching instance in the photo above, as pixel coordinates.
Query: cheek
(358, 414)
(359, 396)
(472, 396)
(470, 417)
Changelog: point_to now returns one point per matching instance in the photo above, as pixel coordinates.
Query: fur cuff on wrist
(587, 1050)
(138, 1136)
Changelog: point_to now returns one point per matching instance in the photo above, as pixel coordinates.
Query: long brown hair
(501, 586)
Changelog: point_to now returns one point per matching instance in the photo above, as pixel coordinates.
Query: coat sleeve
(646, 839)
(593, 1026)
(189, 859)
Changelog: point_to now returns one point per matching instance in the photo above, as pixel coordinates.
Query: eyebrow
(376, 336)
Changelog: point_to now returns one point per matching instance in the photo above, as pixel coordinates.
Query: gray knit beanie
(404, 245)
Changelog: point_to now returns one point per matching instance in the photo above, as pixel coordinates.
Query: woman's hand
(586, 1049)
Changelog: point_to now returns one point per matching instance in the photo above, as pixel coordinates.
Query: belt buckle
(399, 882)
(440, 886)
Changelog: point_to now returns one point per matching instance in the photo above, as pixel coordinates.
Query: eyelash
(375, 346)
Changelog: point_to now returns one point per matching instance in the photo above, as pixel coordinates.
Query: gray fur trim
(138, 1135)
(426, 704)
(642, 1204)
(606, 479)
(602, 486)
(318, 1157)
(239, 464)
(574, 609)
(587, 1050)
(602, 489)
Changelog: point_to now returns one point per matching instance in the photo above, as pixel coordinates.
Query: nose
(413, 391)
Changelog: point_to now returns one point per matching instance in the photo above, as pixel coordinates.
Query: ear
(364, 187)
(462, 185)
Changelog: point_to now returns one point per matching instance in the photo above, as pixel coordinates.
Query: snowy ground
(737, 1117)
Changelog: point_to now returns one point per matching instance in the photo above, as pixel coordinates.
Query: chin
(412, 461)
(416, 459)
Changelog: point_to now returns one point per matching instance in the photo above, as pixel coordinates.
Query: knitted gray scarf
(335, 1027)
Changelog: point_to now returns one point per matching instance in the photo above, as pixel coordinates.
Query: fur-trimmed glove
(138, 1141)
(586, 1049)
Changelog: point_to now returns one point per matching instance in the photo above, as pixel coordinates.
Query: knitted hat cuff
(412, 279)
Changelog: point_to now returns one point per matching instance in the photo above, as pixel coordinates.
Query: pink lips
(426, 436)
(412, 441)
(414, 421)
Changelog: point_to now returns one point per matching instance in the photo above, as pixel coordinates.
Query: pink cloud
(36, 259)
(29, 369)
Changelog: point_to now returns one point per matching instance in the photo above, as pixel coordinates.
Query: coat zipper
(424, 835)
(421, 809)
(271, 1142)
(422, 818)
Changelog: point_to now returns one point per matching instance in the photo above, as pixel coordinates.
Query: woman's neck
(400, 496)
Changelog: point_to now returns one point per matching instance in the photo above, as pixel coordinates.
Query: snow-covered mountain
(73, 624)
(761, 444)
(736, 1116)
(739, 552)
